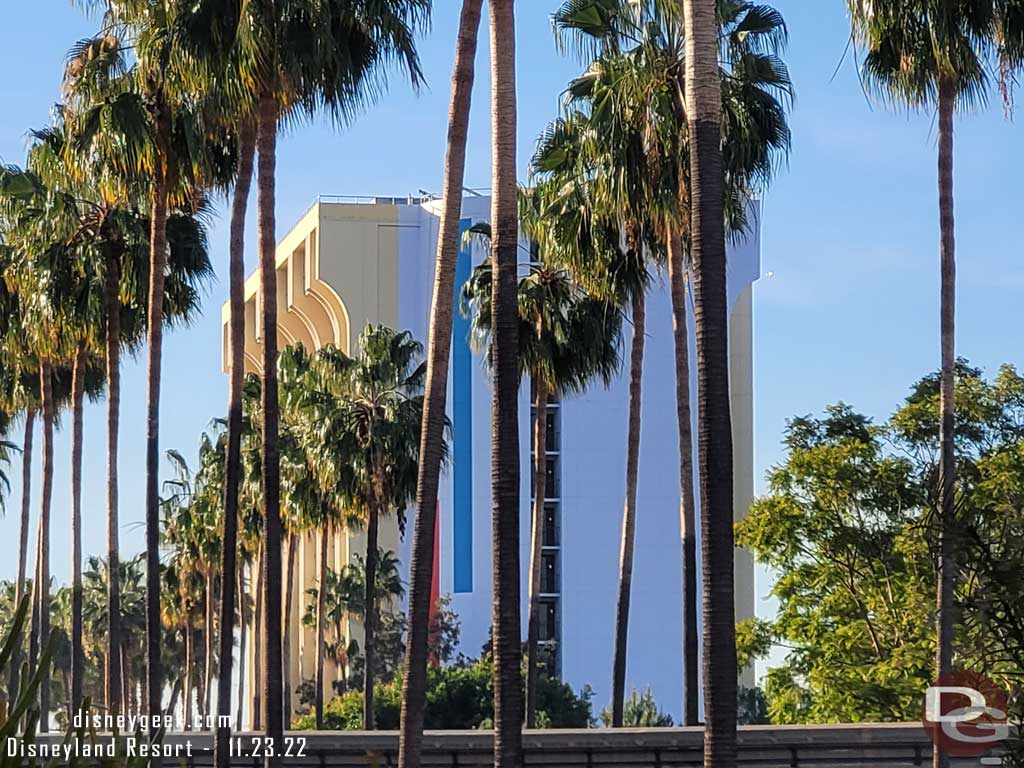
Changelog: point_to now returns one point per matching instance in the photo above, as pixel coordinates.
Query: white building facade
(350, 262)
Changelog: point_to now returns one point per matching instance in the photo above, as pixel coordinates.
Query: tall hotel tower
(353, 261)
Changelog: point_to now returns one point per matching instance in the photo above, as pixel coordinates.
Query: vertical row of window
(551, 539)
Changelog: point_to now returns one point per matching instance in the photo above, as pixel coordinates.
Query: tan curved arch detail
(298, 302)
(329, 299)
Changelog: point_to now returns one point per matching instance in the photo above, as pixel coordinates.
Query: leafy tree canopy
(848, 525)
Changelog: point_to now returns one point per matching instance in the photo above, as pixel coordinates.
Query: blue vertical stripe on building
(462, 424)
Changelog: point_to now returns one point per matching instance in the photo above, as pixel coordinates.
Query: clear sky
(850, 233)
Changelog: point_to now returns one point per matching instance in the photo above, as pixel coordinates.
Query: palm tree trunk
(243, 636)
(704, 102)
(125, 664)
(321, 607)
(154, 320)
(26, 503)
(636, 367)
(77, 649)
(508, 686)
(112, 309)
(33, 642)
(286, 641)
(687, 506)
(232, 472)
(945, 619)
(273, 700)
(208, 636)
(187, 686)
(370, 619)
(438, 349)
(540, 407)
(46, 387)
(257, 649)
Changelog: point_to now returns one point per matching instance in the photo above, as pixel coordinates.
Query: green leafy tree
(848, 526)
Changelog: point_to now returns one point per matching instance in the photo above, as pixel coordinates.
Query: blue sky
(850, 232)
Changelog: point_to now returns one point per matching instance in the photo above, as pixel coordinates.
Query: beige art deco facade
(353, 261)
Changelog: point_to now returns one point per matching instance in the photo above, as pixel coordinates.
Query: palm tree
(20, 394)
(508, 691)
(703, 89)
(637, 79)
(144, 119)
(414, 681)
(307, 507)
(567, 339)
(303, 58)
(924, 55)
(236, 371)
(371, 416)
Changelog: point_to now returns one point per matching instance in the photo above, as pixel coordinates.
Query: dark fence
(846, 746)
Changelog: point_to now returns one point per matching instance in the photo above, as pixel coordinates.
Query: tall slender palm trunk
(26, 505)
(508, 690)
(273, 699)
(43, 585)
(636, 367)
(945, 619)
(687, 505)
(208, 630)
(243, 637)
(112, 309)
(233, 461)
(257, 646)
(321, 607)
(154, 317)
(33, 641)
(187, 686)
(77, 649)
(438, 349)
(370, 619)
(540, 464)
(292, 541)
(714, 435)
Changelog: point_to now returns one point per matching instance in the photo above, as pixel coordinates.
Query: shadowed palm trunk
(257, 647)
(233, 462)
(112, 309)
(714, 436)
(26, 504)
(208, 642)
(273, 699)
(187, 685)
(370, 620)
(636, 366)
(945, 619)
(43, 585)
(77, 649)
(687, 507)
(540, 407)
(154, 315)
(33, 641)
(321, 606)
(286, 640)
(438, 349)
(508, 685)
(243, 637)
